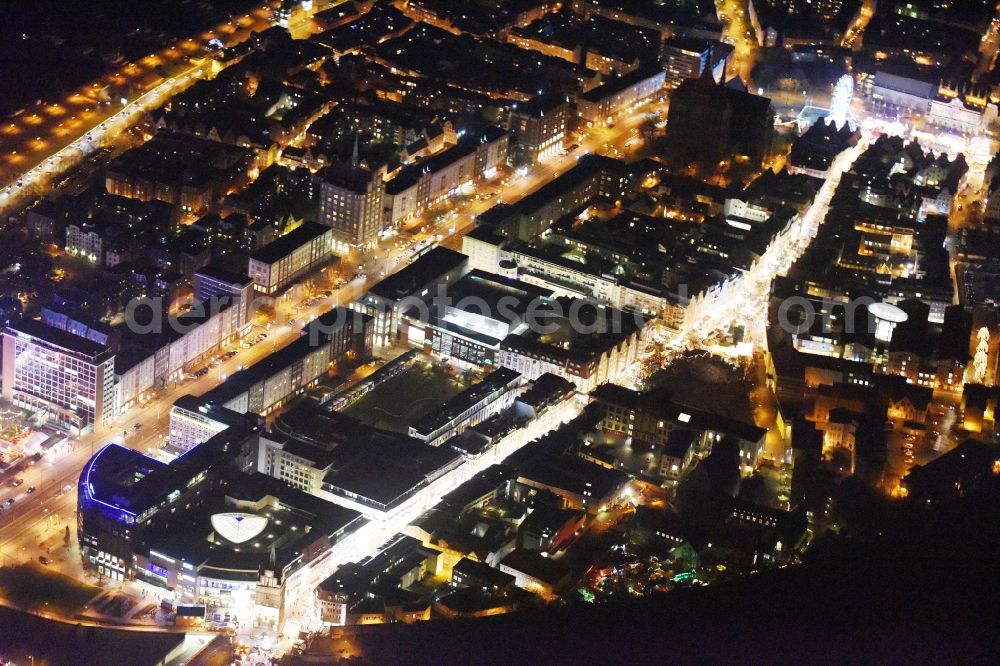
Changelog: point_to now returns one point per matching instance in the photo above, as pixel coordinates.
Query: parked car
(16, 482)
(43, 560)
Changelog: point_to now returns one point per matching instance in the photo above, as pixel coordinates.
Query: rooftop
(130, 482)
(534, 564)
(956, 470)
(501, 379)
(347, 177)
(180, 159)
(579, 331)
(539, 105)
(217, 272)
(411, 174)
(67, 342)
(547, 388)
(411, 279)
(659, 401)
(358, 578)
(373, 466)
(482, 484)
(285, 245)
(574, 475)
(620, 83)
(480, 572)
(295, 520)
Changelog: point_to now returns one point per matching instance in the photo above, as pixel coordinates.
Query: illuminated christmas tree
(982, 355)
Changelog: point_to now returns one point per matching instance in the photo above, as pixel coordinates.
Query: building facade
(351, 203)
(211, 282)
(68, 378)
(688, 58)
(278, 264)
(417, 187)
(538, 127)
(600, 105)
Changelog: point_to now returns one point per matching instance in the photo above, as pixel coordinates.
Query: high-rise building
(689, 58)
(539, 127)
(68, 378)
(351, 202)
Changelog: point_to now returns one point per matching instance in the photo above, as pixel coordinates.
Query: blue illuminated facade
(106, 519)
(123, 494)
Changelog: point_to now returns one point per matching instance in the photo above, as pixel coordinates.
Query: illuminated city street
(739, 33)
(94, 116)
(30, 518)
(371, 331)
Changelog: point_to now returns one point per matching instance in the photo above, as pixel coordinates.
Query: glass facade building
(67, 377)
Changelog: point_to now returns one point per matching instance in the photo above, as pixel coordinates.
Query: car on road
(30, 490)
(43, 560)
(8, 502)
(136, 426)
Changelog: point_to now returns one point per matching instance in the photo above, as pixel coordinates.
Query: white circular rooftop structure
(887, 312)
(886, 318)
(238, 527)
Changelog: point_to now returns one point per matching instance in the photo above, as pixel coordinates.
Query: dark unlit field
(34, 587)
